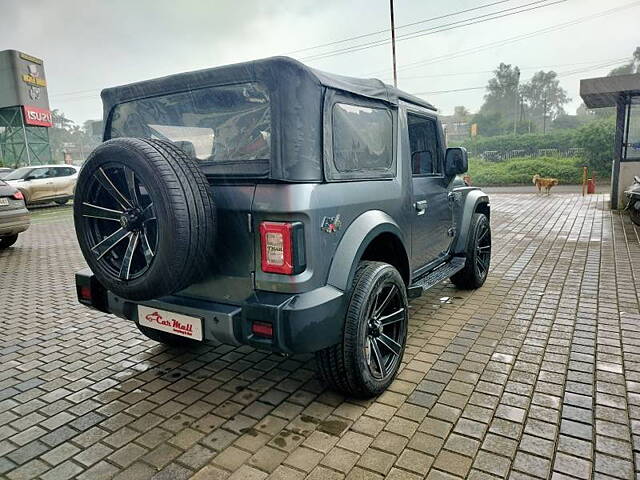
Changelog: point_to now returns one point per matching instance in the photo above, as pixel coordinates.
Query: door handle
(420, 206)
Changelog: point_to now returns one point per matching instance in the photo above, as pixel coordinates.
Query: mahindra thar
(271, 204)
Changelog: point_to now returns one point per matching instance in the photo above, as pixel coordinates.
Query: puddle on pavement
(286, 438)
(333, 427)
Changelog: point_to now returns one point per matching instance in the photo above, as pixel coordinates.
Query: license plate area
(170, 322)
(4, 202)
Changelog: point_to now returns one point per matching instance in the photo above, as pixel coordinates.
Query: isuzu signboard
(23, 83)
(38, 117)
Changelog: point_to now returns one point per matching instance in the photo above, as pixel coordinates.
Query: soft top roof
(284, 69)
(296, 95)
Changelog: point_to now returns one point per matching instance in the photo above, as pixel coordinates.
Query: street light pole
(393, 47)
(515, 108)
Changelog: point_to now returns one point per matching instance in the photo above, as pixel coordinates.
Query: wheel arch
(475, 201)
(374, 235)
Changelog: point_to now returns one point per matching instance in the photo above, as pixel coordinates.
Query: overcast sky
(88, 45)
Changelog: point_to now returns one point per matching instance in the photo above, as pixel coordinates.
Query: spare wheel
(144, 217)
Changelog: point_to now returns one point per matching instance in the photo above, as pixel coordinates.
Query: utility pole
(515, 108)
(393, 47)
(544, 115)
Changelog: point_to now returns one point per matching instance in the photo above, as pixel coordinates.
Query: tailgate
(231, 271)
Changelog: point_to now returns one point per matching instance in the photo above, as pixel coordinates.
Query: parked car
(4, 171)
(45, 183)
(274, 205)
(14, 216)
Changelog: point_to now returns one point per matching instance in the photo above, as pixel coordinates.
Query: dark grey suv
(274, 205)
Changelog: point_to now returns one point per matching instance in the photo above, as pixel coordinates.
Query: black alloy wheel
(120, 221)
(385, 331)
(483, 249)
(477, 254)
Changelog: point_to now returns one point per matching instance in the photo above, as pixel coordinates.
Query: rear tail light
(84, 293)
(282, 247)
(18, 195)
(263, 329)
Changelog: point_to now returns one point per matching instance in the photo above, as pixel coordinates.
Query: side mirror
(456, 161)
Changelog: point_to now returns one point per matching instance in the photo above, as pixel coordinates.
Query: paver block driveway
(535, 375)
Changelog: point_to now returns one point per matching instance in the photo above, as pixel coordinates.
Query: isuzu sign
(35, 116)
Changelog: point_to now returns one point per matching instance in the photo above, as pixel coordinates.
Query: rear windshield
(230, 123)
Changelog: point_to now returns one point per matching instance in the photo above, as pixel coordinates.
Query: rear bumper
(302, 323)
(14, 221)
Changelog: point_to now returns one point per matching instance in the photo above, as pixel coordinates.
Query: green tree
(544, 98)
(65, 135)
(633, 66)
(461, 114)
(597, 139)
(499, 108)
(490, 124)
(564, 121)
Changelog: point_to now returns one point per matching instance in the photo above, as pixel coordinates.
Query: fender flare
(471, 201)
(355, 241)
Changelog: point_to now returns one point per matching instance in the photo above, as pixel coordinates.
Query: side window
(362, 138)
(423, 140)
(39, 173)
(66, 172)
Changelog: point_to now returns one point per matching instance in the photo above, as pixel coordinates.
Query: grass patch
(518, 171)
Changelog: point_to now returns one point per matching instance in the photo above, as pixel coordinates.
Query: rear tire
(375, 334)
(6, 242)
(477, 253)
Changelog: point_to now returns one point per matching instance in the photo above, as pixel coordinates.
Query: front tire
(477, 253)
(6, 242)
(375, 334)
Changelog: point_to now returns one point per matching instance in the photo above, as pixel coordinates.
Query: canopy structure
(622, 92)
(608, 91)
(296, 92)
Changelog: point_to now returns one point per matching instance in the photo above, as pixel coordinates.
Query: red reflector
(263, 329)
(277, 249)
(84, 293)
(18, 195)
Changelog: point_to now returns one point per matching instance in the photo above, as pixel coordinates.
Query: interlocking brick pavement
(535, 375)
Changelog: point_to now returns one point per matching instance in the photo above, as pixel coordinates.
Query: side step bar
(436, 276)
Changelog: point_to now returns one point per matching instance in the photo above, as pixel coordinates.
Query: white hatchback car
(45, 183)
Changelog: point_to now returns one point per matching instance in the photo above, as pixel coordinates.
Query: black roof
(297, 96)
(280, 68)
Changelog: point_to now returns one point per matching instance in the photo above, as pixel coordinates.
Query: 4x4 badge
(331, 224)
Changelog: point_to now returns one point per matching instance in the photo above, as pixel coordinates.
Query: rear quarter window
(362, 139)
